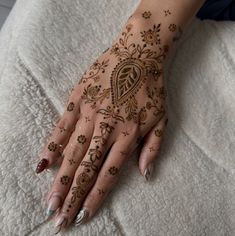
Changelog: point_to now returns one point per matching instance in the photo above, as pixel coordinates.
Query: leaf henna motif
(126, 79)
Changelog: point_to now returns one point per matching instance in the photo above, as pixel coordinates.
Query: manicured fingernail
(60, 223)
(41, 165)
(148, 171)
(82, 216)
(53, 204)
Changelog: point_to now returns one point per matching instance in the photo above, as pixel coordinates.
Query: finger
(73, 155)
(86, 174)
(151, 148)
(106, 179)
(60, 136)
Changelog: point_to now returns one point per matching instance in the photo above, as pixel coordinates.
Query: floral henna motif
(172, 27)
(65, 180)
(113, 170)
(95, 70)
(79, 191)
(167, 12)
(147, 14)
(152, 36)
(70, 107)
(106, 129)
(52, 146)
(92, 94)
(158, 132)
(81, 139)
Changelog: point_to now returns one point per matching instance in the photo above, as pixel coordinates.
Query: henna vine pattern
(70, 106)
(137, 63)
(147, 14)
(92, 94)
(106, 129)
(94, 71)
(81, 139)
(52, 146)
(79, 191)
(111, 112)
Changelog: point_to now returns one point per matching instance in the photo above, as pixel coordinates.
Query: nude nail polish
(41, 165)
(81, 217)
(53, 204)
(60, 223)
(148, 171)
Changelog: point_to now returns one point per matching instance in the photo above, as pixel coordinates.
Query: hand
(119, 101)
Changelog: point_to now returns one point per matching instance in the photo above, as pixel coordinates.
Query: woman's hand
(117, 103)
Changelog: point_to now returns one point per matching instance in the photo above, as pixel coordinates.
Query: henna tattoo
(71, 161)
(167, 12)
(151, 149)
(113, 170)
(155, 94)
(178, 35)
(94, 71)
(106, 129)
(111, 112)
(79, 191)
(101, 191)
(125, 133)
(62, 129)
(146, 14)
(70, 107)
(92, 94)
(52, 146)
(158, 132)
(65, 180)
(81, 139)
(172, 27)
(87, 119)
(152, 36)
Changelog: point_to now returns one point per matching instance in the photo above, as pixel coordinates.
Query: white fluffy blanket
(44, 48)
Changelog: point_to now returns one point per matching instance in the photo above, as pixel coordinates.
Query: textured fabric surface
(45, 46)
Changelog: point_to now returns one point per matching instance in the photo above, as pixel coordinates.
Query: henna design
(172, 27)
(79, 191)
(167, 12)
(52, 146)
(154, 94)
(81, 139)
(71, 161)
(125, 133)
(152, 36)
(95, 154)
(93, 73)
(87, 119)
(92, 94)
(178, 35)
(111, 112)
(62, 129)
(113, 170)
(146, 14)
(65, 180)
(101, 191)
(105, 130)
(158, 132)
(70, 107)
(151, 149)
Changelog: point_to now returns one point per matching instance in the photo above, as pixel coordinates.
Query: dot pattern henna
(62, 129)
(52, 146)
(101, 191)
(81, 139)
(94, 71)
(65, 180)
(87, 119)
(172, 27)
(71, 161)
(125, 133)
(167, 12)
(152, 36)
(105, 130)
(93, 94)
(113, 170)
(70, 107)
(146, 14)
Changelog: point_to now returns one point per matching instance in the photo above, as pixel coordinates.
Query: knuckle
(73, 149)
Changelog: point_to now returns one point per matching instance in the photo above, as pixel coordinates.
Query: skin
(119, 102)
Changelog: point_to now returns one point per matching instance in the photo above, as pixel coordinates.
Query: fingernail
(82, 216)
(59, 224)
(41, 165)
(53, 204)
(148, 171)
